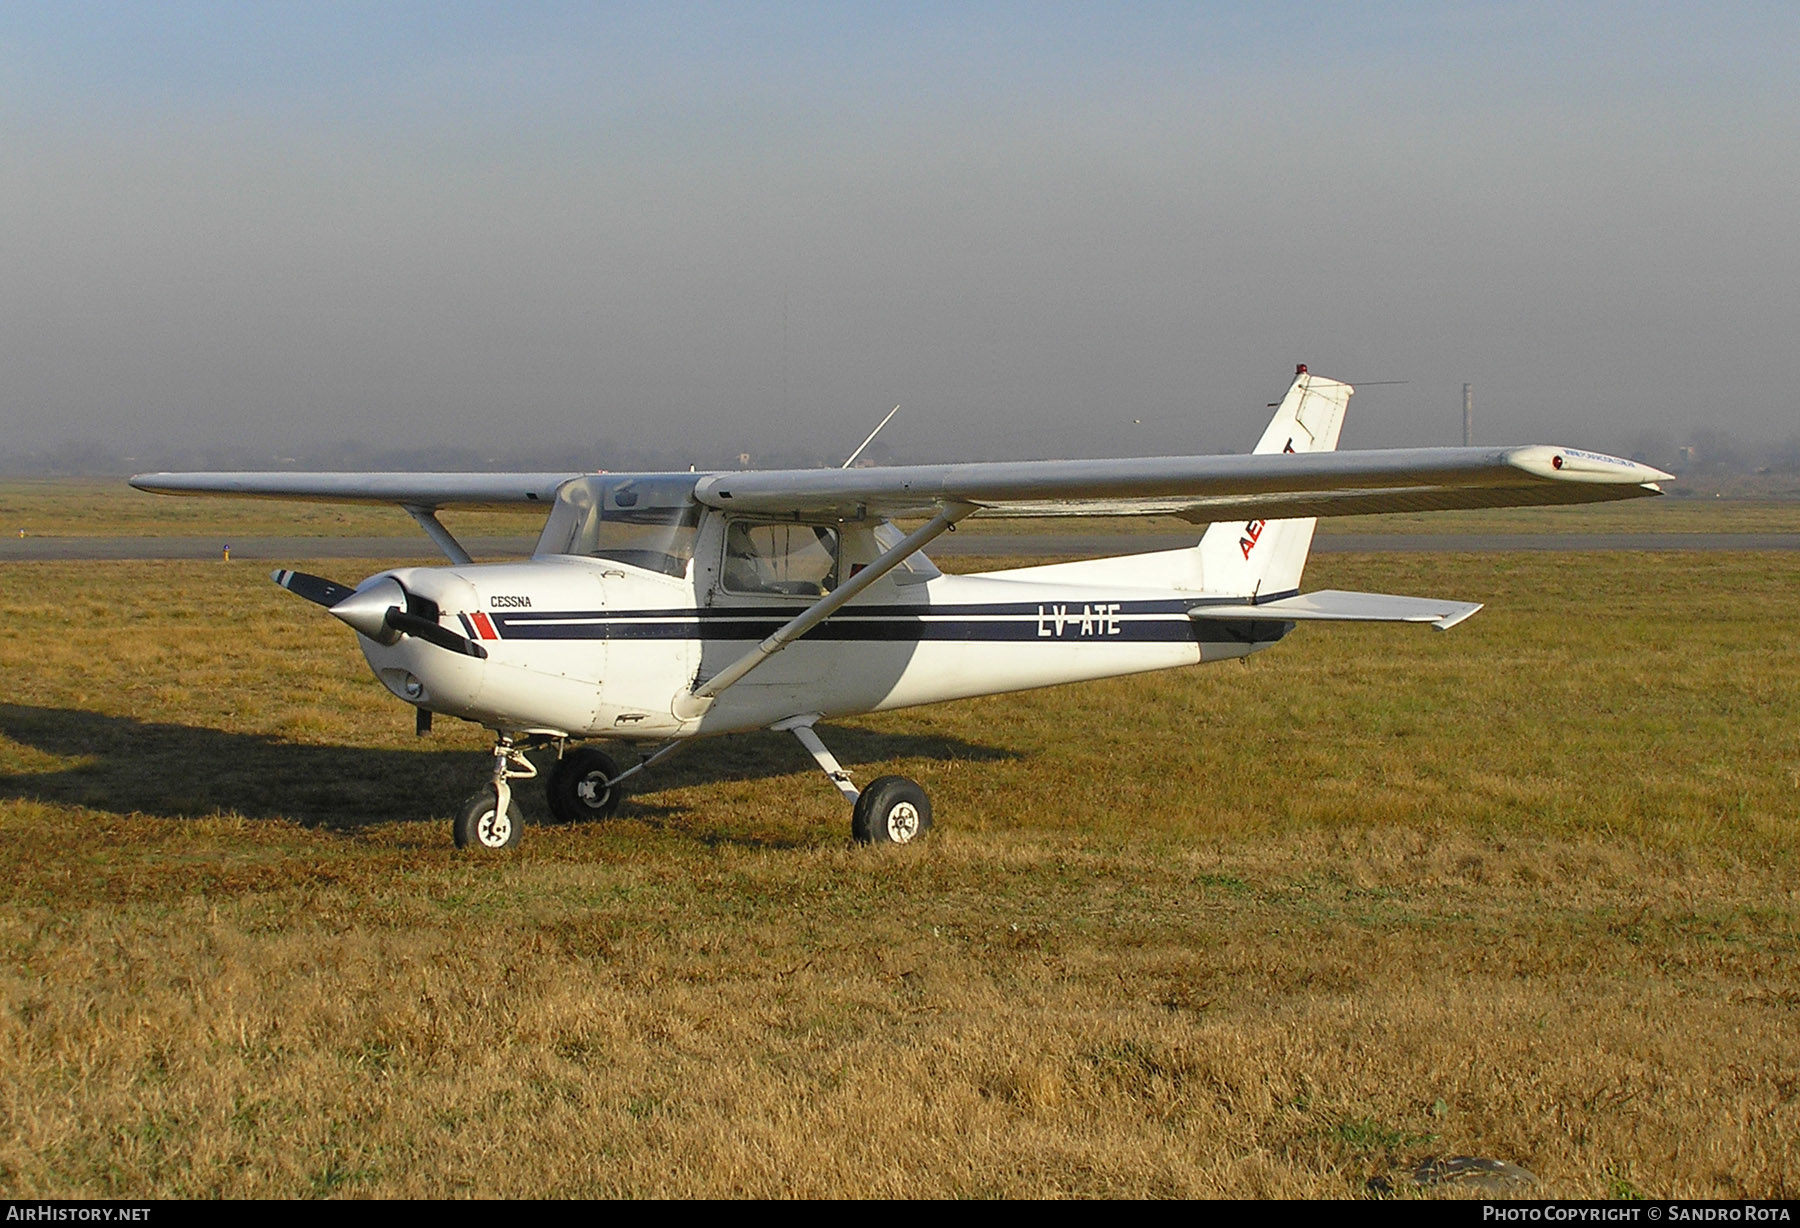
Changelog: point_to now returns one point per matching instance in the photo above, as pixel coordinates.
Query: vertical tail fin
(1266, 558)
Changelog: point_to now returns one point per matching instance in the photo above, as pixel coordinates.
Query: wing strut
(700, 699)
(435, 530)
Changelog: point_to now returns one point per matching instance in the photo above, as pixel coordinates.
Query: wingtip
(1581, 465)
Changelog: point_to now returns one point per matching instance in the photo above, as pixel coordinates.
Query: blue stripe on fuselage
(1125, 622)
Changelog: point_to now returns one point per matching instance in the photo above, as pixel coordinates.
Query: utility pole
(1468, 415)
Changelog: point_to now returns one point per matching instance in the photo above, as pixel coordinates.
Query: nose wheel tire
(577, 790)
(892, 810)
(480, 825)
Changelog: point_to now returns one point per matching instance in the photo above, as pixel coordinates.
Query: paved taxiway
(1032, 545)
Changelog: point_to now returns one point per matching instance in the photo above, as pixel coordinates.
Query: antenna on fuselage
(871, 439)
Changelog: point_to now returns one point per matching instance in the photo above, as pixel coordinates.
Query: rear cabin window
(647, 522)
(915, 567)
(788, 560)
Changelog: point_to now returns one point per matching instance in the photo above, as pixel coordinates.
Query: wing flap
(1337, 605)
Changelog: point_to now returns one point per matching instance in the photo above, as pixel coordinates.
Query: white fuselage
(584, 647)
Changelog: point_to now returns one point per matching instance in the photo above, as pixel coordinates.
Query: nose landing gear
(483, 824)
(491, 819)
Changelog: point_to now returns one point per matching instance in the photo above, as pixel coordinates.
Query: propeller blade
(434, 633)
(316, 589)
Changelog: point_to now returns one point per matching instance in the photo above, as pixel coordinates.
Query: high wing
(1196, 488)
(1294, 473)
(1200, 488)
(423, 490)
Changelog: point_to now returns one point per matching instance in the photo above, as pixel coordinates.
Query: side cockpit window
(787, 560)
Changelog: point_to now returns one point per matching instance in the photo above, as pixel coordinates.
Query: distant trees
(1709, 450)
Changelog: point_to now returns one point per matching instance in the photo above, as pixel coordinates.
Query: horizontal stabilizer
(1334, 605)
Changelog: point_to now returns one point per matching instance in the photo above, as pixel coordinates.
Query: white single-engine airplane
(658, 608)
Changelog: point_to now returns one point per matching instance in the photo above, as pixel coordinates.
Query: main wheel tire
(892, 810)
(577, 788)
(480, 825)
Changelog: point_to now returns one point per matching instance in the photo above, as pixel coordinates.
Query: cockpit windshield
(647, 521)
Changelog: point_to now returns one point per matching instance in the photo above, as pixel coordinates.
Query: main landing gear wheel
(892, 810)
(481, 825)
(577, 788)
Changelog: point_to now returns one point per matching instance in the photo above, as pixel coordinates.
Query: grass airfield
(1524, 890)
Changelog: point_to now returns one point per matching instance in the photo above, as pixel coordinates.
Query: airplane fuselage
(582, 647)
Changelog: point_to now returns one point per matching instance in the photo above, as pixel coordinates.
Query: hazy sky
(761, 225)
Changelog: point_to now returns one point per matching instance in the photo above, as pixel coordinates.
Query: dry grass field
(1523, 890)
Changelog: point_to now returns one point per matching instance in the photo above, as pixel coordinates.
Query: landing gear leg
(491, 819)
(892, 810)
(803, 731)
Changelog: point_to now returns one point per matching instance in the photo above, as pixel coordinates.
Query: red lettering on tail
(1252, 531)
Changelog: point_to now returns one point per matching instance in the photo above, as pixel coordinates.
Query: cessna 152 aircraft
(658, 608)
